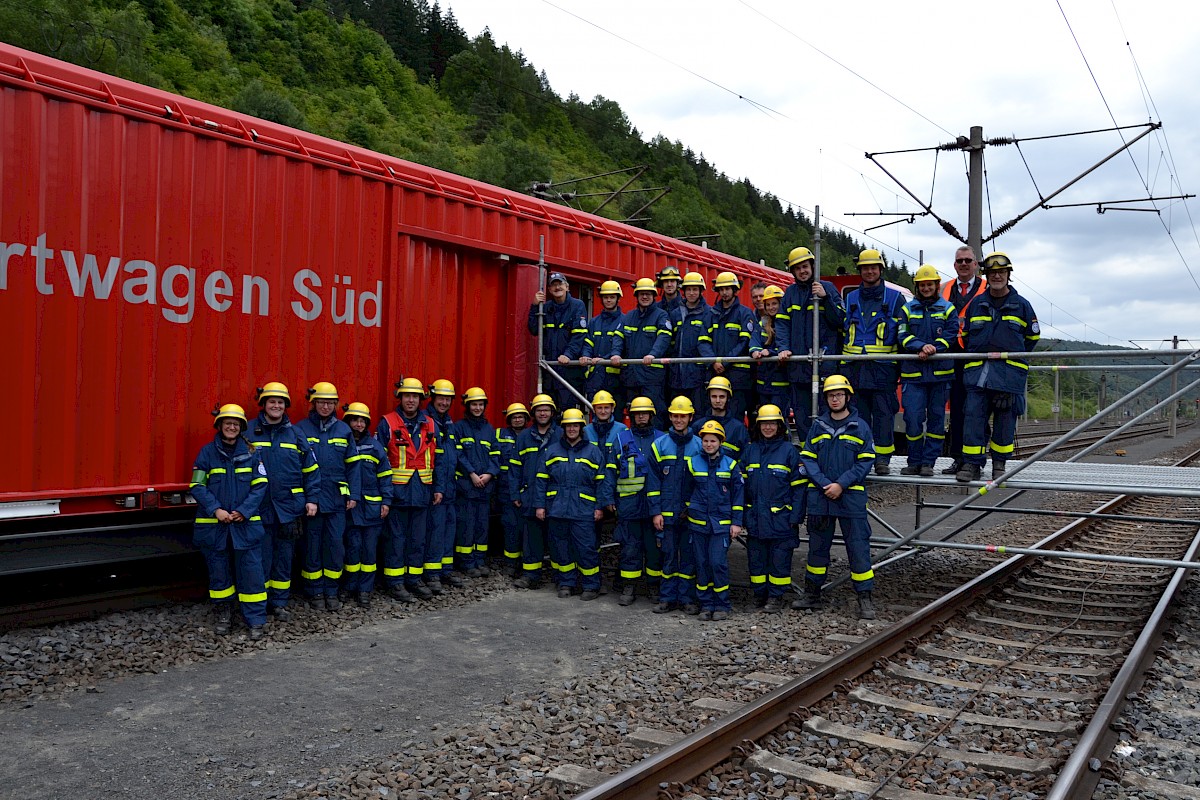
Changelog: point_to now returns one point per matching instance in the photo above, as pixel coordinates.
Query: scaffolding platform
(1137, 479)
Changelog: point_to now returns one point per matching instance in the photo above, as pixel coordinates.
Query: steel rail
(683, 761)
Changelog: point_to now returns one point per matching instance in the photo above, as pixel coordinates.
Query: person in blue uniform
(809, 296)
(597, 344)
(998, 321)
(573, 484)
(731, 328)
(670, 452)
(478, 466)
(294, 486)
(516, 418)
(531, 443)
(928, 325)
(371, 491)
(714, 506)
(636, 483)
(771, 380)
(644, 335)
(775, 505)
(720, 396)
(667, 279)
(690, 321)
(564, 325)
(325, 549)
(872, 322)
(443, 516)
(837, 456)
(410, 437)
(229, 483)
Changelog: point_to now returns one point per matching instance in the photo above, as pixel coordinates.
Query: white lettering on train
(174, 290)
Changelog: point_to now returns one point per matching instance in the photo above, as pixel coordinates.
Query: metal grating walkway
(1136, 479)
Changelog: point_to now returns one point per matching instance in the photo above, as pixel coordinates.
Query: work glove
(1002, 401)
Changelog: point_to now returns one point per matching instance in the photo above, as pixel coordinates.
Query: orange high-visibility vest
(948, 287)
(406, 456)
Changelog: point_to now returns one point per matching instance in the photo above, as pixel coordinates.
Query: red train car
(159, 256)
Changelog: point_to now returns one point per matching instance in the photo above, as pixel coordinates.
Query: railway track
(1034, 441)
(1006, 686)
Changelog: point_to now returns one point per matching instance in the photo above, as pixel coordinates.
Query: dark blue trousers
(362, 545)
(324, 554)
(440, 539)
(533, 548)
(511, 522)
(404, 545)
(770, 562)
(878, 409)
(679, 567)
(277, 556)
(924, 421)
(639, 552)
(856, 531)
(226, 564)
(573, 549)
(711, 551)
(979, 412)
(471, 539)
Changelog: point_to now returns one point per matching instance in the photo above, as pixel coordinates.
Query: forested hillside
(402, 77)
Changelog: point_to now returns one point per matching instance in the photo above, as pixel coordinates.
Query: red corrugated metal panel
(153, 265)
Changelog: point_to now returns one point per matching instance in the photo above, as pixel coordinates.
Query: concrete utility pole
(975, 191)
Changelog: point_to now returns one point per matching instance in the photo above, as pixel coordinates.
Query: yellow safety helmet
(720, 382)
(474, 393)
(727, 279)
(274, 389)
(324, 390)
(356, 410)
(769, 413)
(542, 400)
(644, 285)
(927, 272)
(681, 405)
(713, 427)
(772, 292)
(834, 382)
(572, 416)
(799, 255)
(515, 408)
(868, 257)
(443, 387)
(229, 411)
(996, 261)
(693, 279)
(669, 273)
(410, 386)
(640, 404)
(603, 398)
(611, 287)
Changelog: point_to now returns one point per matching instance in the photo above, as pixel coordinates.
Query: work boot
(705, 616)
(811, 599)
(664, 608)
(691, 609)
(523, 582)
(455, 580)
(926, 470)
(954, 467)
(564, 591)
(332, 603)
(882, 468)
(473, 572)
(222, 618)
(968, 473)
(866, 607)
(316, 603)
(772, 606)
(484, 570)
(590, 594)
(760, 600)
(627, 597)
(256, 632)
(281, 613)
(911, 469)
(435, 585)
(510, 570)
(998, 468)
(718, 616)
(363, 599)
(421, 590)
(398, 592)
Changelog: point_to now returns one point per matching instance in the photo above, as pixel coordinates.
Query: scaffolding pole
(546, 366)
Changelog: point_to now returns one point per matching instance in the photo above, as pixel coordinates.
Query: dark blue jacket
(1004, 325)
(670, 306)
(775, 488)
(842, 452)
(448, 451)
(564, 325)
(670, 451)
(770, 376)
(295, 476)
(330, 442)
(597, 342)
(530, 446)
(736, 435)
(636, 481)
(572, 480)
(691, 339)
(732, 332)
(415, 494)
(478, 452)
(604, 436)
(508, 483)
(714, 494)
(923, 322)
(370, 481)
(642, 333)
(794, 328)
(232, 478)
(872, 324)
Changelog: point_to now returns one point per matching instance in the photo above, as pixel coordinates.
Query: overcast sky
(926, 72)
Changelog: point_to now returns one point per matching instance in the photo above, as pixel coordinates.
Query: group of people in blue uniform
(683, 480)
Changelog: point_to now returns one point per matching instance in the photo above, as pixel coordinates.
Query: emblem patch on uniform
(1035, 327)
(667, 470)
(750, 326)
(262, 468)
